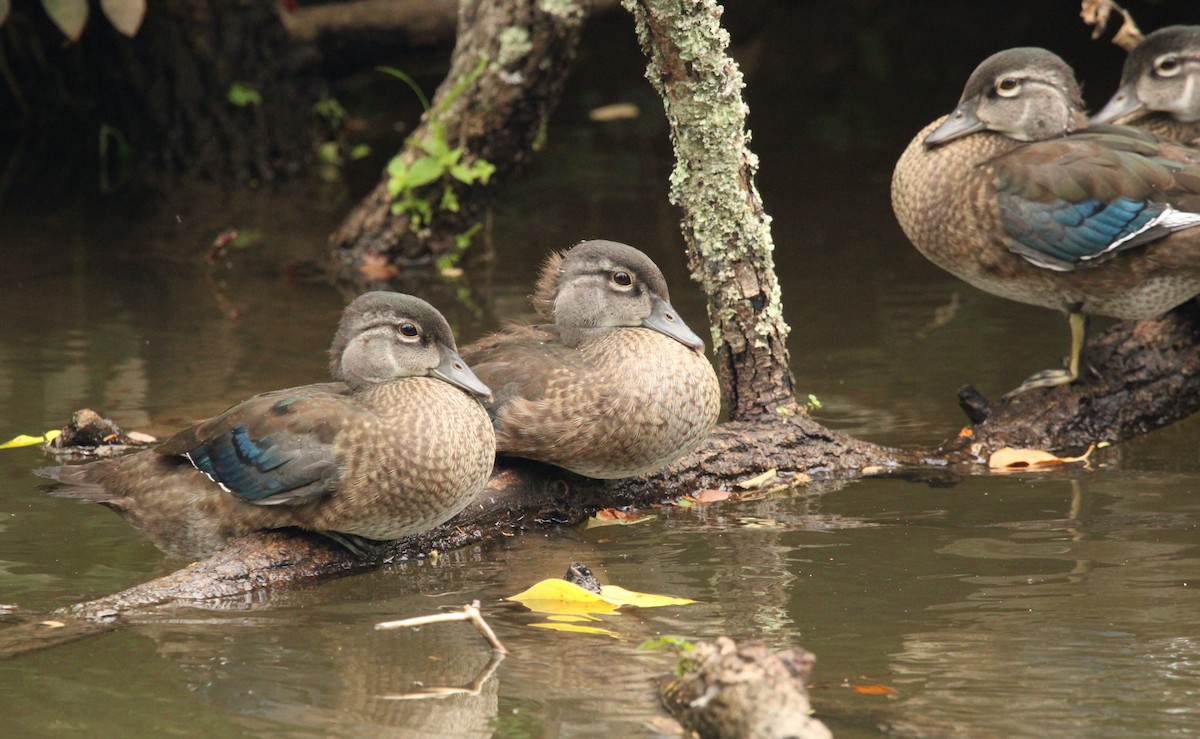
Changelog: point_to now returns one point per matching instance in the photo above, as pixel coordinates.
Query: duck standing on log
(1013, 193)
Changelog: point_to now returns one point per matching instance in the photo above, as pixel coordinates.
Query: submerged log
(746, 691)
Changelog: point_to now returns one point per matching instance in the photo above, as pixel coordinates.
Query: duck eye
(409, 330)
(1167, 66)
(622, 279)
(1008, 87)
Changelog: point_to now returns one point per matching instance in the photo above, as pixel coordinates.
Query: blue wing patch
(1062, 235)
(260, 470)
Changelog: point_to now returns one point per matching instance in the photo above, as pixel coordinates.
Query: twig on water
(468, 613)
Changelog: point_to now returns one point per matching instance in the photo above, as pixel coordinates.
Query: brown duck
(398, 446)
(1160, 86)
(1011, 194)
(616, 386)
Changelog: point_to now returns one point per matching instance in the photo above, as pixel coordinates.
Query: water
(994, 605)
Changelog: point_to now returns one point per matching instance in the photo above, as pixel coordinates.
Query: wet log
(1138, 377)
(1144, 375)
(746, 691)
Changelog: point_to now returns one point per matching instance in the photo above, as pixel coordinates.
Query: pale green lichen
(568, 10)
(711, 175)
(514, 46)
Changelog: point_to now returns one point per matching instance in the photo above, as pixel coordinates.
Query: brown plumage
(1159, 90)
(1011, 194)
(617, 386)
(398, 447)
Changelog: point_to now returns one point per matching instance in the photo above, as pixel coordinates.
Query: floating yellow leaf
(562, 597)
(566, 598)
(52, 624)
(642, 600)
(1008, 459)
(571, 619)
(27, 440)
(577, 629)
(614, 517)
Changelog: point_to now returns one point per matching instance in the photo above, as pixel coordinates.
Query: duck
(614, 384)
(1160, 86)
(397, 445)
(1014, 193)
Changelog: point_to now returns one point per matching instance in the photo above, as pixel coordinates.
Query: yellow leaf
(562, 597)
(27, 440)
(1008, 458)
(624, 597)
(577, 629)
(52, 624)
(571, 619)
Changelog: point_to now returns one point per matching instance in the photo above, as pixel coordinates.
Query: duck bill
(455, 371)
(665, 320)
(1123, 104)
(959, 123)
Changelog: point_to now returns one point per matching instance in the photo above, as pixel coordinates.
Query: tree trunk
(724, 224)
(524, 48)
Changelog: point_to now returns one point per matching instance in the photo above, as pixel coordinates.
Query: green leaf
(449, 200)
(483, 170)
(462, 174)
(396, 167)
(331, 110)
(463, 240)
(125, 15)
(451, 157)
(242, 96)
(5, 6)
(69, 15)
(435, 146)
(361, 151)
(423, 171)
(327, 153)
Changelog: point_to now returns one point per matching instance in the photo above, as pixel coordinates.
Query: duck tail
(79, 481)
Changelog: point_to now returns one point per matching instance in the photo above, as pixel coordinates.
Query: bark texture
(746, 691)
(528, 46)
(1142, 376)
(726, 229)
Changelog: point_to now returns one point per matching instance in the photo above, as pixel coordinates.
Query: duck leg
(1060, 375)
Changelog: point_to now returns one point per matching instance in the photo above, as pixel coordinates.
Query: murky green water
(1062, 604)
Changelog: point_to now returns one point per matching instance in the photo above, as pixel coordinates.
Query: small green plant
(243, 96)
(677, 644)
(813, 404)
(426, 185)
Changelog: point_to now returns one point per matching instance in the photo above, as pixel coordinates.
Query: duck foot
(360, 546)
(1045, 378)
